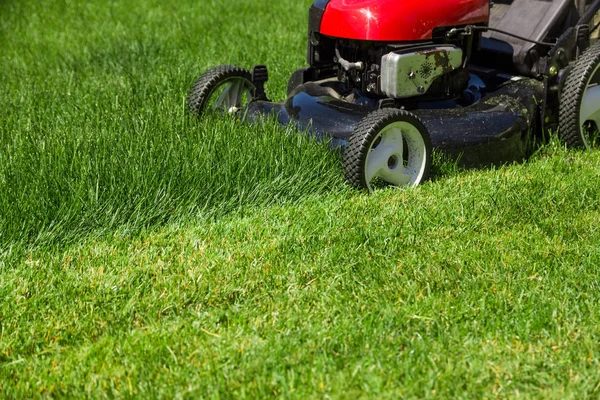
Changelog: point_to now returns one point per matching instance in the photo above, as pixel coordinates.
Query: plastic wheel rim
(389, 160)
(232, 94)
(589, 110)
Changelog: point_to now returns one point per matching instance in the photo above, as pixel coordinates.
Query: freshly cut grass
(484, 284)
(146, 254)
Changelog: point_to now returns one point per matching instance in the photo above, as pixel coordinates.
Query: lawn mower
(388, 81)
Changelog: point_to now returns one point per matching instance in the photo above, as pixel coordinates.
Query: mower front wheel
(225, 88)
(388, 147)
(579, 118)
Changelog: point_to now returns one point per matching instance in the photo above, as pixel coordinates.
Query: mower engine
(403, 72)
(394, 49)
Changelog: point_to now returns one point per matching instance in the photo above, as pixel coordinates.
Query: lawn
(146, 254)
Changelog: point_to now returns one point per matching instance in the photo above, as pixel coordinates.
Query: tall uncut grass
(62, 179)
(94, 133)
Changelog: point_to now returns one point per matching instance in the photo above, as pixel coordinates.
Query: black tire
(586, 71)
(201, 93)
(370, 132)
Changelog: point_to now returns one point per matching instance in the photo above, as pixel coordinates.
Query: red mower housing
(398, 20)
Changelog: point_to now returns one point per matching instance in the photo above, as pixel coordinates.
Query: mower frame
(516, 85)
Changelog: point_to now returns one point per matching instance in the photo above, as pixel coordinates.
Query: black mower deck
(492, 128)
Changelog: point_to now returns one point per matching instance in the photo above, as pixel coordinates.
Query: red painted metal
(398, 20)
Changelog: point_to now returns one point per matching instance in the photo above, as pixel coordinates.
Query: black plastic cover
(490, 131)
(538, 20)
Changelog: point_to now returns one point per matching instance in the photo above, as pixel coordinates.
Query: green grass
(145, 254)
(95, 134)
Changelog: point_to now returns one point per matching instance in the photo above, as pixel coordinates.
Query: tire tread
(200, 93)
(569, 129)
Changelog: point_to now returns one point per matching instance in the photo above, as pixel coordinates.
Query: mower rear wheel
(579, 118)
(225, 88)
(388, 147)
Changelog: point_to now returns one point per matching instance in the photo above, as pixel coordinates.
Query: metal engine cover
(410, 73)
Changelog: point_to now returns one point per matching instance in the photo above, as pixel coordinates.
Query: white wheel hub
(234, 92)
(398, 156)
